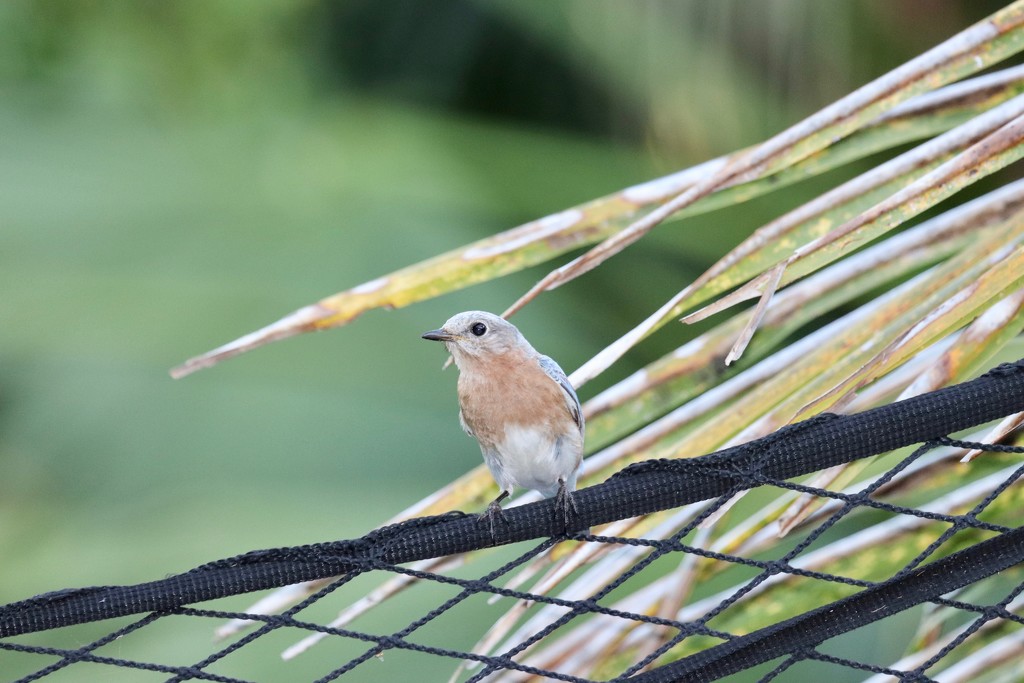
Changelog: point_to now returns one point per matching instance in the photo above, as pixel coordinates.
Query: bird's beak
(439, 335)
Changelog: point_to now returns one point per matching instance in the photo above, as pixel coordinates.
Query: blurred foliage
(175, 174)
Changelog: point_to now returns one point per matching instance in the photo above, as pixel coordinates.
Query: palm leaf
(624, 217)
(926, 304)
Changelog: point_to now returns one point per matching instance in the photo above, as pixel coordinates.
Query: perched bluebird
(520, 407)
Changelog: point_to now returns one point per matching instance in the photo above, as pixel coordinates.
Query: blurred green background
(176, 174)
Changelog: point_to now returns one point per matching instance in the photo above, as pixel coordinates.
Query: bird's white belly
(535, 459)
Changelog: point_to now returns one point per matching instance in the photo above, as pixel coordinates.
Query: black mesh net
(959, 553)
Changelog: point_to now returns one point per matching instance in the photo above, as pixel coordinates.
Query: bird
(519, 406)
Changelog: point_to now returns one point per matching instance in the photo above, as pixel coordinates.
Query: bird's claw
(565, 506)
(492, 513)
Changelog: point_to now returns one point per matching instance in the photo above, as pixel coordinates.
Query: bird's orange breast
(510, 389)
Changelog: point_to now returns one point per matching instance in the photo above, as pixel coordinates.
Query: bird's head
(476, 335)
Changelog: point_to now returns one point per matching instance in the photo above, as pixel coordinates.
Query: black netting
(968, 568)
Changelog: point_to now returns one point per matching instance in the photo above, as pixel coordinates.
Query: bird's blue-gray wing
(572, 402)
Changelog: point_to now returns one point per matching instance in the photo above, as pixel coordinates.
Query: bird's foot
(491, 515)
(566, 510)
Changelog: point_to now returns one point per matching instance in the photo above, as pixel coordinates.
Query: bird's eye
(479, 329)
